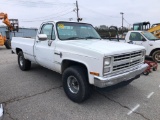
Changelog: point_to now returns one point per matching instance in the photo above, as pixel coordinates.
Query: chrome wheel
(73, 84)
(21, 60)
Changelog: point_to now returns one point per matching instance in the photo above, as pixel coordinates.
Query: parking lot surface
(38, 95)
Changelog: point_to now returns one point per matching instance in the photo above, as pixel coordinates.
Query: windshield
(75, 31)
(149, 36)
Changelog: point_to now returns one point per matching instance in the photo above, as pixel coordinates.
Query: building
(23, 32)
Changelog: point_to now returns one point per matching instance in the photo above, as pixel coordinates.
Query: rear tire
(75, 84)
(8, 44)
(23, 63)
(156, 56)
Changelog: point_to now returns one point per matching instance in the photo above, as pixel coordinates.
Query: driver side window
(135, 36)
(48, 29)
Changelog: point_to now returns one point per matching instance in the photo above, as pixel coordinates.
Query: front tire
(23, 63)
(75, 84)
(156, 56)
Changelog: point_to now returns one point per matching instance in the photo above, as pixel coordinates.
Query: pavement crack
(29, 96)
(122, 105)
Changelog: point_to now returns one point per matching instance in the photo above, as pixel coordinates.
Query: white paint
(150, 94)
(135, 108)
(1, 110)
(159, 85)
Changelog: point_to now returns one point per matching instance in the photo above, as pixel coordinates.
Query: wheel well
(154, 51)
(68, 63)
(18, 50)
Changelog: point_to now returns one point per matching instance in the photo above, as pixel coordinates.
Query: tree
(103, 27)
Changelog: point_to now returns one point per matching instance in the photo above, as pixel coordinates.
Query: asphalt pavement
(38, 95)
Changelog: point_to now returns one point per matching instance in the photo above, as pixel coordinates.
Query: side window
(48, 29)
(135, 36)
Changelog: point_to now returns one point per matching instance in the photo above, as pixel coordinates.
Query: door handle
(58, 53)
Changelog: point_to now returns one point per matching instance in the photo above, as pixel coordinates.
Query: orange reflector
(94, 73)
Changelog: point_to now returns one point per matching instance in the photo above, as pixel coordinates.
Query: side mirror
(130, 42)
(42, 37)
(143, 39)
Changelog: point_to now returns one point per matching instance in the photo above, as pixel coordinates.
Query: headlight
(143, 53)
(107, 61)
(106, 66)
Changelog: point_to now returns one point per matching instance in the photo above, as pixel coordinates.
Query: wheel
(8, 44)
(23, 63)
(75, 84)
(156, 56)
(146, 73)
(154, 69)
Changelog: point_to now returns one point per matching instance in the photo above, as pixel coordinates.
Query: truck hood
(104, 47)
(157, 41)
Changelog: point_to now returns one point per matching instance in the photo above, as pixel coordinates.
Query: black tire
(156, 56)
(23, 63)
(8, 44)
(75, 84)
(154, 69)
(146, 73)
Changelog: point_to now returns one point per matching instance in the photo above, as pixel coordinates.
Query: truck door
(44, 50)
(138, 39)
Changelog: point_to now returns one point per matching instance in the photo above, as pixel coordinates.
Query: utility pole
(122, 21)
(77, 10)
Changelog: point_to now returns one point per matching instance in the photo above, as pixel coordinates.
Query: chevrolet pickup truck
(76, 51)
(146, 39)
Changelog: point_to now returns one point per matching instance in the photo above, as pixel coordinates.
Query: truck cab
(141, 26)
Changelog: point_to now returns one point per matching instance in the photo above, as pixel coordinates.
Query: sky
(96, 12)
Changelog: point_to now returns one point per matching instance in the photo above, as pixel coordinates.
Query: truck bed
(26, 44)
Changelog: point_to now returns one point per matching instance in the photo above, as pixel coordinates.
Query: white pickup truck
(76, 51)
(146, 39)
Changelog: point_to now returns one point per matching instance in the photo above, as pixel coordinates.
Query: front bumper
(109, 81)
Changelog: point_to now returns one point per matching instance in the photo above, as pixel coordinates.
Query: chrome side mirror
(42, 37)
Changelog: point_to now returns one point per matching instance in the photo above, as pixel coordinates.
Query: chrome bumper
(109, 81)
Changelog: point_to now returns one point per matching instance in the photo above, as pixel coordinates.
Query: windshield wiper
(155, 39)
(90, 37)
(72, 38)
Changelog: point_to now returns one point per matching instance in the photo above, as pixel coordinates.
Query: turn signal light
(94, 73)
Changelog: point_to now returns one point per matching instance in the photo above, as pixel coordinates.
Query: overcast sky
(97, 12)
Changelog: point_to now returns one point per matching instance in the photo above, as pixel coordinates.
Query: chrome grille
(127, 60)
(127, 56)
(125, 65)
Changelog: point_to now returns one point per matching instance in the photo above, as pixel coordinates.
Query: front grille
(128, 60)
(126, 65)
(127, 56)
